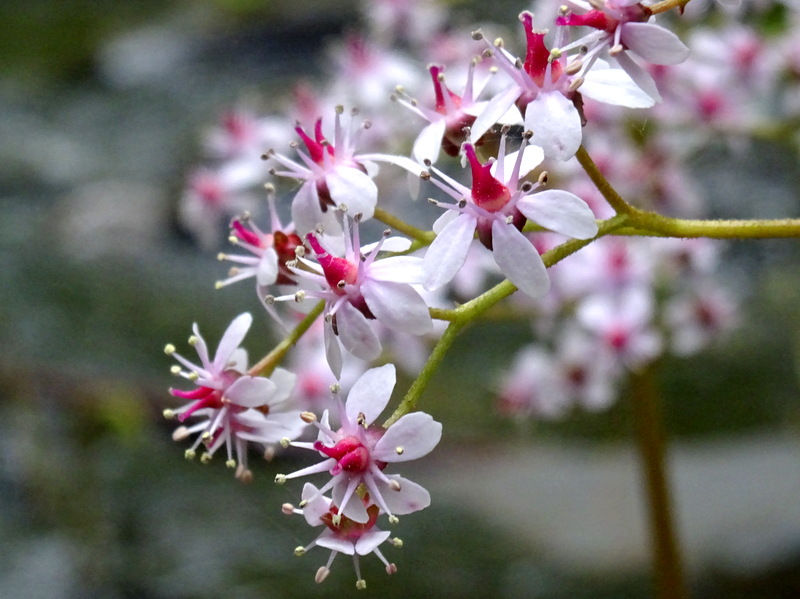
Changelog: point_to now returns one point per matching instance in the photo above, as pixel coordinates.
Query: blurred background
(102, 108)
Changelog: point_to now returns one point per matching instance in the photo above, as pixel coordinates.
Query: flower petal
(356, 334)
(411, 437)
(429, 141)
(354, 189)
(409, 499)
(615, 87)
(555, 123)
(519, 260)
(447, 253)
(398, 306)
(560, 211)
(370, 393)
(398, 269)
(369, 541)
(250, 392)
(231, 340)
(654, 43)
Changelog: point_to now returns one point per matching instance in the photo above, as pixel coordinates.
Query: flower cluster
(606, 80)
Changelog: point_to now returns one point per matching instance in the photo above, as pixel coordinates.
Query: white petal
(556, 125)
(390, 244)
(328, 540)
(370, 393)
(232, 339)
(519, 260)
(356, 334)
(654, 43)
(560, 211)
(446, 217)
(615, 86)
(369, 541)
(399, 269)
(267, 272)
(641, 77)
(494, 110)
(533, 157)
(409, 499)
(333, 353)
(429, 141)
(411, 437)
(284, 385)
(351, 187)
(412, 166)
(306, 213)
(354, 509)
(447, 253)
(315, 508)
(250, 392)
(398, 306)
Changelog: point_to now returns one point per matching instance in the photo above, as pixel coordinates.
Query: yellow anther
(168, 414)
(169, 349)
(299, 551)
(189, 454)
(230, 464)
(193, 340)
(206, 458)
(399, 449)
(280, 479)
(361, 584)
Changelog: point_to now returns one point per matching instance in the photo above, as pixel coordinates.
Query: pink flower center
(537, 57)
(350, 454)
(348, 528)
(317, 146)
(336, 270)
(487, 192)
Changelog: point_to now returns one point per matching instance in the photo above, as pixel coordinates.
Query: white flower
(342, 535)
(358, 451)
(332, 175)
(497, 206)
(236, 407)
(545, 90)
(358, 289)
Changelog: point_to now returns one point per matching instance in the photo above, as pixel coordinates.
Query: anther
(335, 388)
(230, 464)
(574, 66)
(243, 474)
(361, 584)
(391, 569)
(321, 574)
(397, 542)
(303, 503)
(307, 417)
(189, 454)
(288, 509)
(387, 232)
(269, 453)
(299, 296)
(399, 449)
(393, 519)
(169, 349)
(358, 217)
(361, 420)
(168, 414)
(477, 35)
(543, 177)
(575, 84)
(175, 369)
(299, 551)
(395, 485)
(269, 299)
(180, 433)
(269, 187)
(526, 187)
(193, 340)
(280, 479)
(205, 458)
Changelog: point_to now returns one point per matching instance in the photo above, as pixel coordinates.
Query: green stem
(651, 446)
(462, 315)
(267, 364)
(424, 237)
(619, 205)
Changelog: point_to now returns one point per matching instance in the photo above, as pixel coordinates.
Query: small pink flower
(357, 453)
(333, 176)
(342, 535)
(236, 408)
(359, 289)
(496, 207)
